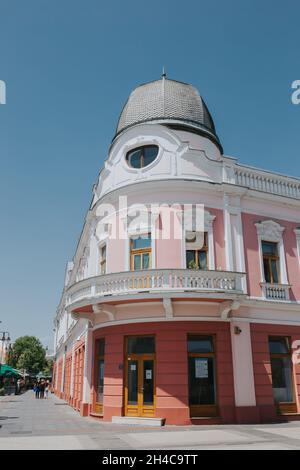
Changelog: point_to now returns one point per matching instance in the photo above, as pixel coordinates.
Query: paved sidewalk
(27, 423)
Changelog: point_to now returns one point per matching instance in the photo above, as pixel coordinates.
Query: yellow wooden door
(140, 385)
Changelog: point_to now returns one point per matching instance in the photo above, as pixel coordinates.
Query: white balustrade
(155, 280)
(255, 179)
(276, 291)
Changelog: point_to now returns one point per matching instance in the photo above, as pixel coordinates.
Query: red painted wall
(67, 378)
(171, 363)
(78, 374)
(262, 367)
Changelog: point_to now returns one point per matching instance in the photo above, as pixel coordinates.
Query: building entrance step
(138, 421)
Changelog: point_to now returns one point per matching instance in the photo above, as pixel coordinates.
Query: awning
(8, 371)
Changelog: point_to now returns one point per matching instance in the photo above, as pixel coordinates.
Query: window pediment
(269, 230)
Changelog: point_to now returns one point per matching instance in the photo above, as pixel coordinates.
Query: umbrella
(8, 371)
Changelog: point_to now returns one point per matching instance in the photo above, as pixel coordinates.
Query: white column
(87, 375)
(297, 233)
(63, 373)
(227, 234)
(72, 373)
(243, 374)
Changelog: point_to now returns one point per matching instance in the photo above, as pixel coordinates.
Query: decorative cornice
(269, 230)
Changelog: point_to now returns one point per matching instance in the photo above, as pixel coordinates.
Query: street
(28, 423)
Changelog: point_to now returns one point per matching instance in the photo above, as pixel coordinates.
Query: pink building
(168, 320)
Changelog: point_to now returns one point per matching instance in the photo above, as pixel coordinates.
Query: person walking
(42, 389)
(37, 390)
(46, 389)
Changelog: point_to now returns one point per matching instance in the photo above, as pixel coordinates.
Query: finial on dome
(163, 75)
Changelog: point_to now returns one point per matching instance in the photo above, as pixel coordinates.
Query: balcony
(276, 291)
(219, 284)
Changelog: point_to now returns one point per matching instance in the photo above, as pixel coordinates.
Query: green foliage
(27, 353)
(192, 265)
(47, 371)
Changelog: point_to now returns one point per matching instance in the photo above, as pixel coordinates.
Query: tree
(27, 353)
(48, 367)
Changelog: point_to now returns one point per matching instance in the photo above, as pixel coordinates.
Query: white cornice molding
(269, 230)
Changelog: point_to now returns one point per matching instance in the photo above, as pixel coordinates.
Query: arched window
(142, 156)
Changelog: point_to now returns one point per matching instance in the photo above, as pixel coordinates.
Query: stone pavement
(27, 423)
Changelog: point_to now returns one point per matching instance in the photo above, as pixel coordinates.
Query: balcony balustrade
(276, 291)
(155, 281)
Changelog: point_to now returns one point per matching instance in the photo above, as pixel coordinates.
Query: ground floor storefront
(185, 372)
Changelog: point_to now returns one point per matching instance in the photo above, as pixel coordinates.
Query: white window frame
(140, 230)
(100, 245)
(271, 231)
(208, 227)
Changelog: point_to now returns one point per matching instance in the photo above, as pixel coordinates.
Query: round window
(142, 156)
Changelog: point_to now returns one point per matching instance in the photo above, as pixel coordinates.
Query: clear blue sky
(69, 65)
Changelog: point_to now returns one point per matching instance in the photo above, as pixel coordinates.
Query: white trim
(62, 384)
(207, 227)
(87, 374)
(193, 319)
(262, 320)
(158, 319)
(297, 234)
(72, 372)
(243, 372)
(271, 231)
(100, 244)
(227, 234)
(140, 230)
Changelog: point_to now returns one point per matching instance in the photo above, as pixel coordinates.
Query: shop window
(282, 373)
(141, 344)
(202, 382)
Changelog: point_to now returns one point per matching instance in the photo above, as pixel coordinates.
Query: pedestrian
(37, 390)
(42, 389)
(46, 389)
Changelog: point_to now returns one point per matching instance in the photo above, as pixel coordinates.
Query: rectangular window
(196, 250)
(140, 252)
(202, 383)
(270, 262)
(103, 259)
(141, 345)
(281, 368)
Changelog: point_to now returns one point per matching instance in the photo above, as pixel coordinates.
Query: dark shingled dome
(171, 103)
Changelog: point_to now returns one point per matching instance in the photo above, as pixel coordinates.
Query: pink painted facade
(143, 332)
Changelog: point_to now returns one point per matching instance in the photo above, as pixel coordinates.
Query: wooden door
(140, 385)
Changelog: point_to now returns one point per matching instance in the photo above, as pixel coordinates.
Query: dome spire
(163, 77)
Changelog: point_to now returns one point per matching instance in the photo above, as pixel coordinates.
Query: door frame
(97, 406)
(285, 407)
(197, 411)
(140, 358)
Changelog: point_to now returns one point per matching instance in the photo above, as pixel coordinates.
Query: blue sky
(69, 65)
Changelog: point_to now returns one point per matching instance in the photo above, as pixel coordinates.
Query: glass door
(282, 374)
(202, 383)
(99, 376)
(140, 377)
